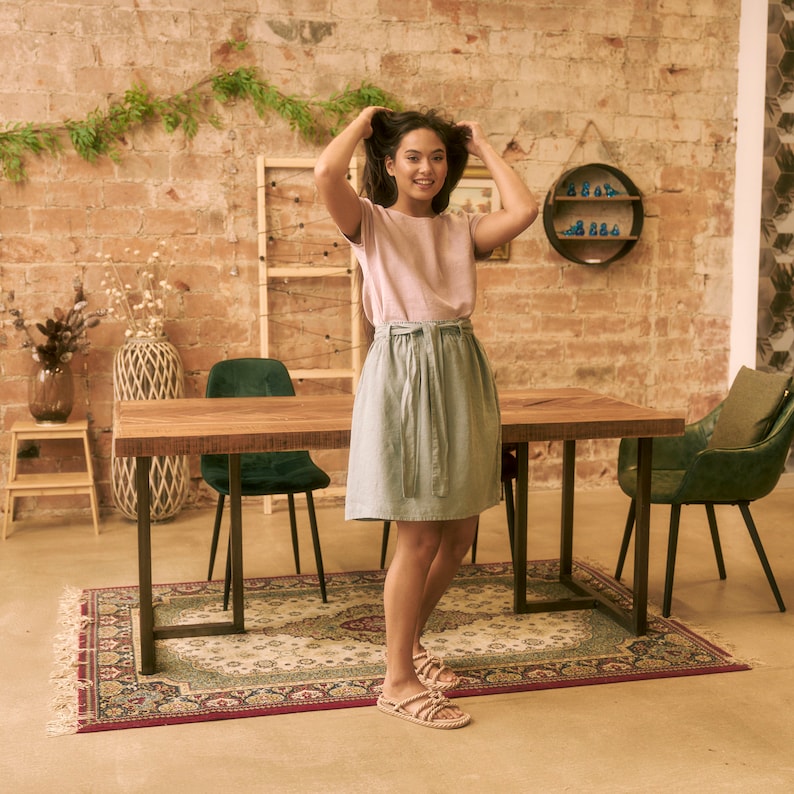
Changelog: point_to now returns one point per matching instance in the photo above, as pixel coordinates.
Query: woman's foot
(433, 673)
(427, 707)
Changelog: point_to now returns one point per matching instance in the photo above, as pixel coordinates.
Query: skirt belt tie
(424, 367)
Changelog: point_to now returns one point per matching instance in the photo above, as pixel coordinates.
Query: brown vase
(51, 393)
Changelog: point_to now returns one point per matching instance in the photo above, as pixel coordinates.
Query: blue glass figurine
(593, 229)
(603, 230)
(575, 230)
(597, 191)
(571, 189)
(609, 190)
(585, 189)
(616, 230)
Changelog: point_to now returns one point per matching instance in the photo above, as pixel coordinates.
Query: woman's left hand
(477, 139)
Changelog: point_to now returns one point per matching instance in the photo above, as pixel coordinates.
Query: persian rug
(299, 654)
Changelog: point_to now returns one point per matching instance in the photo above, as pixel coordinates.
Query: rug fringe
(717, 639)
(67, 653)
(709, 634)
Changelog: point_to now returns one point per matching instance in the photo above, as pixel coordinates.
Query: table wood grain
(195, 426)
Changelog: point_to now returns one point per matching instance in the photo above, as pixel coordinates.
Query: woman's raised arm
(519, 208)
(330, 174)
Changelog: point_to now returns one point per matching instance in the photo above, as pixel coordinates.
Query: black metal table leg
(566, 510)
(639, 610)
(236, 538)
(582, 595)
(520, 539)
(149, 631)
(142, 467)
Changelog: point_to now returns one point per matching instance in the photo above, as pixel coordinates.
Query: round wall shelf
(593, 214)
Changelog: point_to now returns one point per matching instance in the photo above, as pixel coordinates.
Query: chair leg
(216, 531)
(227, 582)
(510, 510)
(294, 531)
(293, 526)
(748, 519)
(672, 548)
(318, 556)
(474, 542)
(624, 545)
(384, 544)
(715, 539)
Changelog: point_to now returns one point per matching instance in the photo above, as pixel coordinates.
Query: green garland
(99, 133)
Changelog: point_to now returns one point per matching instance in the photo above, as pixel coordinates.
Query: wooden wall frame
(270, 270)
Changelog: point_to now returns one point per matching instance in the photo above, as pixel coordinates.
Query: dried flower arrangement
(140, 303)
(64, 333)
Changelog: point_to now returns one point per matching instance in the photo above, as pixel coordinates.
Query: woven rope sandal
(427, 712)
(431, 680)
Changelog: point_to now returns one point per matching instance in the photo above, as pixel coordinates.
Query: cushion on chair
(750, 409)
(263, 473)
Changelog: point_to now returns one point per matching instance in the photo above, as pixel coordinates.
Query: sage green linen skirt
(426, 437)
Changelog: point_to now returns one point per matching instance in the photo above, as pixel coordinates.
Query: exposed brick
(661, 87)
(409, 10)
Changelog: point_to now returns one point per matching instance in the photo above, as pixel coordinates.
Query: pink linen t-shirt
(416, 269)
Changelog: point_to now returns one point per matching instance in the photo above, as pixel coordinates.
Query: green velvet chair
(732, 456)
(509, 472)
(262, 473)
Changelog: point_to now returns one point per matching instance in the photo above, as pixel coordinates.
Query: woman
(426, 443)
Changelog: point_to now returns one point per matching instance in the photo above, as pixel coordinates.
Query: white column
(747, 195)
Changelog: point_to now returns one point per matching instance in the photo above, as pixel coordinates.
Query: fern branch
(100, 132)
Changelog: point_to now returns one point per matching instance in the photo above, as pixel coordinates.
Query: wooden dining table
(144, 429)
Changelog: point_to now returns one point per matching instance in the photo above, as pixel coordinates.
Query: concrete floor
(717, 733)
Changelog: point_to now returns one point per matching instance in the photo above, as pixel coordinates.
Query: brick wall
(657, 77)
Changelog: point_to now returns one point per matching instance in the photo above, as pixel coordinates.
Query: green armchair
(692, 469)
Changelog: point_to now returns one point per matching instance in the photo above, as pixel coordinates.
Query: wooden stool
(54, 483)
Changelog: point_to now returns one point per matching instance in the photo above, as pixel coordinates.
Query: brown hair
(388, 129)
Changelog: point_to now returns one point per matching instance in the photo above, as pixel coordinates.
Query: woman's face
(420, 169)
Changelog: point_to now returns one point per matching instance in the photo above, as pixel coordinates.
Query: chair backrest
(249, 377)
(770, 455)
(261, 473)
(782, 430)
(728, 475)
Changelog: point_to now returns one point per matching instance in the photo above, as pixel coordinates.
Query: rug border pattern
(363, 692)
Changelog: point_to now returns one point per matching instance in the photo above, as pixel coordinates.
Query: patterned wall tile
(775, 337)
(775, 328)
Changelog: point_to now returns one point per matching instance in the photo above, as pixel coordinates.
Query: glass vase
(51, 393)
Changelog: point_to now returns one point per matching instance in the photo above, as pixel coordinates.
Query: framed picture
(476, 192)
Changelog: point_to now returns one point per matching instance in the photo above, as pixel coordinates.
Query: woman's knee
(457, 538)
(455, 550)
(419, 539)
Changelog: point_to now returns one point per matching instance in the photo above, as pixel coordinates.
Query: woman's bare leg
(418, 543)
(456, 540)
